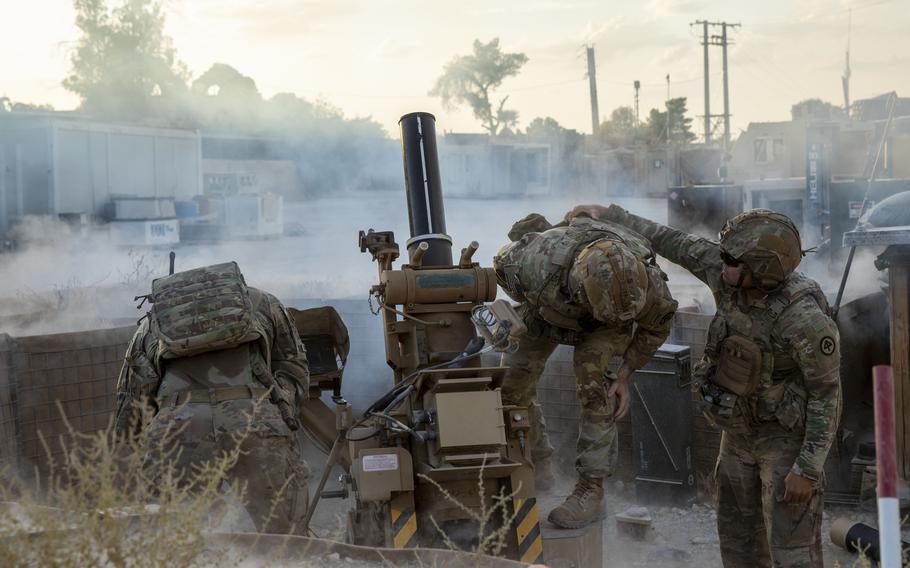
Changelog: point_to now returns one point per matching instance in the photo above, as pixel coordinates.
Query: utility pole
(845, 78)
(704, 41)
(723, 41)
(668, 110)
(592, 83)
(637, 85)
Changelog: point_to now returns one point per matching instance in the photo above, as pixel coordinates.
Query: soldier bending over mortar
(593, 285)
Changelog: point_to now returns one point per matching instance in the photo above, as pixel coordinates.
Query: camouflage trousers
(597, 446)
(756, 528)
(270, 465)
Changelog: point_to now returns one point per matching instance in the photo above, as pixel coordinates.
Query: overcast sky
(380, 57)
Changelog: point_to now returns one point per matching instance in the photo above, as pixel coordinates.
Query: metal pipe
(862, 210)
(417, 254)
(426, 214)
(467, 254)
(889, 521)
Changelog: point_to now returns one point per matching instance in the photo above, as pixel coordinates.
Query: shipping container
(55, 164)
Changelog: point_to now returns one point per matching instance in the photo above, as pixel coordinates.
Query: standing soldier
(215, 358)
(770, 378)
(595, 286)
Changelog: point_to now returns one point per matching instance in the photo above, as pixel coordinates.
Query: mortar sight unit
(439, 460)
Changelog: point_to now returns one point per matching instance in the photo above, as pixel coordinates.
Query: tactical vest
(545, 263)
(762, 383)
(210, 344)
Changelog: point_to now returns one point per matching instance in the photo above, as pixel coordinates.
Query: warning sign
(856, 208)
(380, 462)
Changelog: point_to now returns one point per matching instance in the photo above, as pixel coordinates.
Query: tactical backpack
(202, 310)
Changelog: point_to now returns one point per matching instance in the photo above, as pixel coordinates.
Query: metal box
(662, 428)
(469, 419)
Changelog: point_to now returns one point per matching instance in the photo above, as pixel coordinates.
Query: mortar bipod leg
(329, 464)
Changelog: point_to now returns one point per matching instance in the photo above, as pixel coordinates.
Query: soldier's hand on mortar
(797, 489)
(620, 390)
(593, 211)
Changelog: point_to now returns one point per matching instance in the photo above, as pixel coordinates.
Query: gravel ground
(679, 537)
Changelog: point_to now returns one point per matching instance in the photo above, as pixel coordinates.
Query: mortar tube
(886, 456)
(423, 184)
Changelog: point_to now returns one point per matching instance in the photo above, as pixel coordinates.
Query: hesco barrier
(9, 451)
(77, 370)
(80, 371)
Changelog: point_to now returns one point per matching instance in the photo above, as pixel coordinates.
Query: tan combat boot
(583, 506)
(544, 480)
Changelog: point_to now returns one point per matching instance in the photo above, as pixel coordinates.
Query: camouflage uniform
(210, 396)
(786, 424)
(582, 292)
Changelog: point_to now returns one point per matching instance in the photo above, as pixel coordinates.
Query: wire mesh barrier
(77, 371)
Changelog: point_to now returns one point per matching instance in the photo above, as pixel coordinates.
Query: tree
(544, 129)
(224, 98)
(472, 78)
(620, 129)
(8, 105)
(818, 109)
(679, 130)
(124, 66)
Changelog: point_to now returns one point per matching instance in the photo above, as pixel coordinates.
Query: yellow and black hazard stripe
(404, 520)
(527, 531)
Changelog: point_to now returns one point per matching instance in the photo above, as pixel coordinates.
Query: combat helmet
(612, 279)
(767, 242)
(532, 223)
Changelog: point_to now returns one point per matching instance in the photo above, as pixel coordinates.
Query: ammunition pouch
(720, 407)
(739, 365)
(784, 403)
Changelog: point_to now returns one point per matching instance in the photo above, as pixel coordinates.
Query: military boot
(583, 506)
(544, 480)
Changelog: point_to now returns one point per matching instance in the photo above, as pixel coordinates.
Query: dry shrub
(494, 523)
(106, 504)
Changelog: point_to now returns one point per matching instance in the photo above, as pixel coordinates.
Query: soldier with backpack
(215, 358)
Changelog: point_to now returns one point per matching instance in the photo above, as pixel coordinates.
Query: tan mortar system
(442, 434)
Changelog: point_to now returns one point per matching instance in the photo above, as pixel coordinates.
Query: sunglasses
(730, 260)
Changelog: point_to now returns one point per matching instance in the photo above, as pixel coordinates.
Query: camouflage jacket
(553, 293)
(804, 341)
(280, 346)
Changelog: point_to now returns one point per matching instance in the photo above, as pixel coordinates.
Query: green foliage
(544, 129)
(818, 109)
(620, 129)
(124, 66)
(470, 79)
(679, 130)
(8, 105)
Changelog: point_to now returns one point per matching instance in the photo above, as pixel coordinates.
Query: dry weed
(494, 524)
(106, 503)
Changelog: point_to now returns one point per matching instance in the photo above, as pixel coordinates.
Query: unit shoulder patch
(827, 345)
